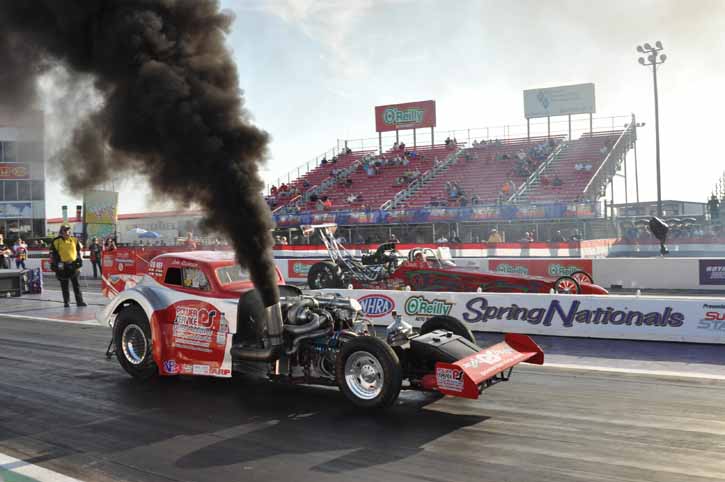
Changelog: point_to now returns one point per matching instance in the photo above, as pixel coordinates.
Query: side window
(196, 279)
(173, 276)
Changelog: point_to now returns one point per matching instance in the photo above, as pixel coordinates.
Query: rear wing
(469, 376)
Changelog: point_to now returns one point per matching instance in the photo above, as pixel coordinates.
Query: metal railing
(608, 168)
(537, 172)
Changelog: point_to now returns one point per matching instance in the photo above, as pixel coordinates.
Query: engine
(314, 330)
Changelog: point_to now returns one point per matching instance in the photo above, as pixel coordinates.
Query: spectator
(576, 236)
(95, 250)
(713, 207)
(526, 238)
(189, 242)
(110, 245)
(455, 238)
(348, 182)
(327, 203)
(323, 161)
(305, 183)
(442, 239)
(5, 254)
(283, 240)
(475, 200)
(20, 250)
(494, 236)
(273, 191)
(557, 181)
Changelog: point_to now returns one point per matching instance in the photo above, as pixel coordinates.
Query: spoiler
(469, 376)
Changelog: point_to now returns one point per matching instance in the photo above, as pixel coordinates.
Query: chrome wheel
(135, 344)
(364, 375)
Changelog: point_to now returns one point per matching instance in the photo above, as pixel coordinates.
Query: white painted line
(636, 371)
(42, 318)
(35, 472)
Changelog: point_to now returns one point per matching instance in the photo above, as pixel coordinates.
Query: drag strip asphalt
(66, 408)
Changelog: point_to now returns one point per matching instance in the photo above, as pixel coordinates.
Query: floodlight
(647, 46)
(640, 49)
(641, 60)
(663, 57)
(658, 44)
(652, 58)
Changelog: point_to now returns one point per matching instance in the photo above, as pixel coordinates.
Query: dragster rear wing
(469, 376)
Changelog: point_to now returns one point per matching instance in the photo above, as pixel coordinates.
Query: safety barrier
(693, 320)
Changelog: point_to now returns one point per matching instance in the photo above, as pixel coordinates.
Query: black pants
(73, 278)
(100, 271)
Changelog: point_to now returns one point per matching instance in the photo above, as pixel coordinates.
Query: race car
(197, 314)
(426, 269)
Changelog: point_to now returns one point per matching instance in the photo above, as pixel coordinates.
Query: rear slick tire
(368, 373)
(325, 274)
(134, 343)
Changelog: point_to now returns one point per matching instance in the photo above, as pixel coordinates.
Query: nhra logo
(376, 306)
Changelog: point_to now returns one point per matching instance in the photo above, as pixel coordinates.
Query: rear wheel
(324, 275)
(368, 372)
(582, 277)
(567, 285)
(134, 343)
(447, 323)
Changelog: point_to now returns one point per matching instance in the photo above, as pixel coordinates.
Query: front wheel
(582, 277)
(325, 274)
(567, 285)
(132, 336)
(368, 372)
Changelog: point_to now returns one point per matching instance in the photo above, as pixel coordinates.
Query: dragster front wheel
(368, 372)
(325, 274)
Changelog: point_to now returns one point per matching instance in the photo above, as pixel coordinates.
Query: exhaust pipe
(273, 340)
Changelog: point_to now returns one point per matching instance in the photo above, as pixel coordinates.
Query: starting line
(16, 470)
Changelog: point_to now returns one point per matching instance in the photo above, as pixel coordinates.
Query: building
(22, 174)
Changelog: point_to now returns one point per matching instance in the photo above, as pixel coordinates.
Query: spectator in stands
(402, 146)
(448, 141)
(475, 200)
(526, 238)
(455, 238)
(327, 203)
(395, 145)
(348, 182)
(319, 205)
(348, 150)
(557, 182)
(305, 183)
(334, 159)
(189, 242)
(713, 208)
(273, 190)
(442, 239)
(323, 161)
(494, 236)
(575, 236)
(588, 167)
(462, 201)
(109, 246)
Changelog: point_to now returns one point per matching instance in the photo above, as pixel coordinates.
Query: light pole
(636, 169)
(654, 58)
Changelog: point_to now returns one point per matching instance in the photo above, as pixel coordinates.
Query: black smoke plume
(171, 106)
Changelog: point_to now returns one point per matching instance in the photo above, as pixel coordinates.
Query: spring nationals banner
(412, 115)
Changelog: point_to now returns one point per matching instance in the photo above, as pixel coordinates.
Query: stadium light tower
(654, 58)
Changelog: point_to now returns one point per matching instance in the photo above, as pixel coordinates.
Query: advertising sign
(411, 115)
(567, 99)
(16, 210)
(297, 269)
(101, 207)
(695, 320)
(14, 170)
(712, 271)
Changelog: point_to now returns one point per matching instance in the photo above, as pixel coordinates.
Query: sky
(313, 70)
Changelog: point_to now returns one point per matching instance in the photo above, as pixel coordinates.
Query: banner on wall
(14, 170)
(16, 210)
(411, 115)
(712, 271)
(696, 320)
(101, 207)
(540, 267)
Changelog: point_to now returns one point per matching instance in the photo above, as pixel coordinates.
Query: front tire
(368, 373)
(582, 277)
(325, 274)
(134, 343)
(447, 323)
(567, 285)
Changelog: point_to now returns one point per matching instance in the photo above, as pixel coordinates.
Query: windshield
(231, 274)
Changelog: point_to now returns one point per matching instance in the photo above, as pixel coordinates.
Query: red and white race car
(197, 313)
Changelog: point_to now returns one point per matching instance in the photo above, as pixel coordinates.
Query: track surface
(63, 406)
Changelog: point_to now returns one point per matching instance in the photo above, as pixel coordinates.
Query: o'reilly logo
(376, 306)
(419, 305)
(394, 116)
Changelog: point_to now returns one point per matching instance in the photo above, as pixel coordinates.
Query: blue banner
(434, 215)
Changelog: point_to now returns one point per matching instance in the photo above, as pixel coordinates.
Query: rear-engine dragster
(166, 326)
(426, 269)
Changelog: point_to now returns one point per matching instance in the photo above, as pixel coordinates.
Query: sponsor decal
(512, 269)
(170, 366)
(156, 269)
(449, 379)
(562, 270)
(421, 306)
(195, 316)
(713, 319)
(376, 305)
(478, 310)
(14, 170)
(298, 268)
(200, 369)
(712, 271)
(488, 357)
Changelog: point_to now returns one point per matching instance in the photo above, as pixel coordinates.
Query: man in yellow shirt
(66, 261)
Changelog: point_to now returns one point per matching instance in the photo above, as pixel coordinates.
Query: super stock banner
(695, 320)
(430, 215)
